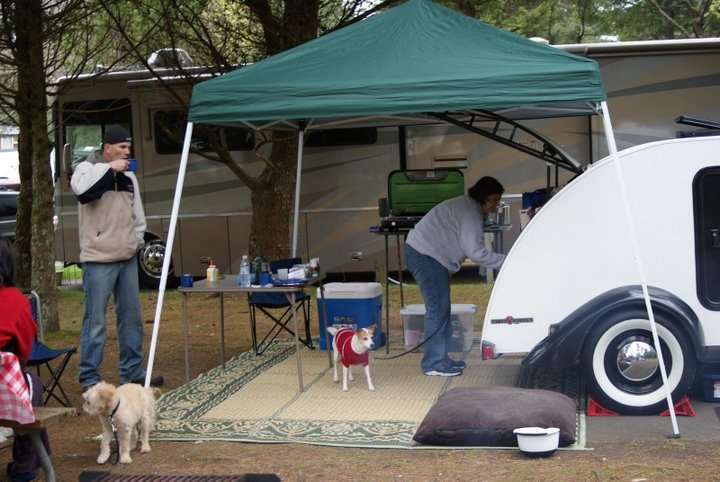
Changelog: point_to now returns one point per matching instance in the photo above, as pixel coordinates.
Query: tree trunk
(273, 200)
(35, 207)
(273, 192)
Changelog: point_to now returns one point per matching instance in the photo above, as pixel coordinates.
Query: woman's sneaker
(444, 370)
(456, 363)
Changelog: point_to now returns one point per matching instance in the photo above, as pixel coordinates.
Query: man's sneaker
(156, 381)
(456, 363)
(444, 370)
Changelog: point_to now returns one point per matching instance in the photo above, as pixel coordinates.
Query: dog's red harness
(343, 340)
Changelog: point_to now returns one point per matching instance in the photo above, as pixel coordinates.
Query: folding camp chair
(277, 307)
(42, 355)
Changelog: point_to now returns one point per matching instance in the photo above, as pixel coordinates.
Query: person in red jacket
(17, 332)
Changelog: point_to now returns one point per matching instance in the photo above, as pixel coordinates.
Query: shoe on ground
(457, 363)
(444, 370)
(19, 476)
(156, 381)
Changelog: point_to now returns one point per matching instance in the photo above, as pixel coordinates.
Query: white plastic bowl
(537, 441)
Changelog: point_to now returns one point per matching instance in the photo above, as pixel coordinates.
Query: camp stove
(412, 193)
(395, 223)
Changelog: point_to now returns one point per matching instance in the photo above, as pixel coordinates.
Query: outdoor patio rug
(256, 399)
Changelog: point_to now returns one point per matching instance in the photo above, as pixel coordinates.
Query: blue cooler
(357, 305)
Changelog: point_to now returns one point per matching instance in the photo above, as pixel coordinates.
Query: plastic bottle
(244, 276)
(259, 266)
(212, 271)
(256, 270)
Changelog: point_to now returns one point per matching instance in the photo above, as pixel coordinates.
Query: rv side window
(359, 136)
(84, 122)
(169, 133)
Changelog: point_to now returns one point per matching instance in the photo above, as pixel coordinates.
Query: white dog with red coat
(350, 347)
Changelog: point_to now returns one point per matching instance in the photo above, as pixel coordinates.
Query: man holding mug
(111, 228)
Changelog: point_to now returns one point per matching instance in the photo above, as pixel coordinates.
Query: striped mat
(256, 399)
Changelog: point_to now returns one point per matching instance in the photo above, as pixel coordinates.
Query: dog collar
(114, 411)
(114, 429)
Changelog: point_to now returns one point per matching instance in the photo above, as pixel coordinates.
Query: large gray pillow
(487, 416)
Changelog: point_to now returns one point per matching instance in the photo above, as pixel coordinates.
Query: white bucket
(538, 441)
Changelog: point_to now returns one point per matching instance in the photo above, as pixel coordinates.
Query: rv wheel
(150, 262)
(621, 369)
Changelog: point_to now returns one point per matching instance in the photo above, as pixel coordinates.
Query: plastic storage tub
(357, 305)
(461, 316)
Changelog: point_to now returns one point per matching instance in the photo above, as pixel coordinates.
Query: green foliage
(661, 19)
(582, 21)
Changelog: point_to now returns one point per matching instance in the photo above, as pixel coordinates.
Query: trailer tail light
(488, 350)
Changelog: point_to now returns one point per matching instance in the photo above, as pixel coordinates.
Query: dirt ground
(75, 447)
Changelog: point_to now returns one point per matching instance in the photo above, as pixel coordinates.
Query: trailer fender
(563, 346)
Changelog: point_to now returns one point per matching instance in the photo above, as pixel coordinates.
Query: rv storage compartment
(357, 305)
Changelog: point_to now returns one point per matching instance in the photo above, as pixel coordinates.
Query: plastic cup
(282, 274)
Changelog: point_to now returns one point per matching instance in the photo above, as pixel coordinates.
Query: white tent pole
(298, 173)
(168, 249)
(641, 271)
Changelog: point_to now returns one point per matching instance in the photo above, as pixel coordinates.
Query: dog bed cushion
(487, 416)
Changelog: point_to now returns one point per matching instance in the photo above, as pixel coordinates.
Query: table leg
(387, 295)
(222, 329)
(185, 332)
(400, 270)
(328, 339)
(291, 299)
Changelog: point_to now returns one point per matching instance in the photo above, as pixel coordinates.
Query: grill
(412, 193)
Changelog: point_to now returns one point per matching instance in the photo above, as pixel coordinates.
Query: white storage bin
(461, 316)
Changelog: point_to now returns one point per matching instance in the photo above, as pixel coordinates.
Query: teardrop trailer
(571, 290)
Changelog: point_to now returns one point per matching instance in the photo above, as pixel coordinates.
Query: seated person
(17, 331)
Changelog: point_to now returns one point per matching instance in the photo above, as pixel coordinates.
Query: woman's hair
(484, 188)
(7, 263)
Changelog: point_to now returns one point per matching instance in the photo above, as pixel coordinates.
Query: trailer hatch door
(706, 192)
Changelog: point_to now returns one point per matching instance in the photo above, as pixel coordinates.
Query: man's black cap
(116, 135)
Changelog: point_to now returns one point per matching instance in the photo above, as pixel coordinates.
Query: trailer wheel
(150, 263)
(621, 369)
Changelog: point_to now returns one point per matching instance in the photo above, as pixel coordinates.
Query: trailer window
(169, 133)
(85, 121)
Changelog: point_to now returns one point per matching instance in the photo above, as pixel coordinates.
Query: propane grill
(412, 193)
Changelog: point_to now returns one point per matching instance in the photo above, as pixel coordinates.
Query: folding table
(228, 284)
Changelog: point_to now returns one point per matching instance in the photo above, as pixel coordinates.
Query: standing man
(111, 228)
(436, 247)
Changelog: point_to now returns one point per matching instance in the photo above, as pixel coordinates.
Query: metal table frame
(228, 284)
(386, 234)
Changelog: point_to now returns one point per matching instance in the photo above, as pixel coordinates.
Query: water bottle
(244, 276)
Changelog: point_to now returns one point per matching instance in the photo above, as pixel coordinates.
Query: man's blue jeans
(100, 280)
(434, 282)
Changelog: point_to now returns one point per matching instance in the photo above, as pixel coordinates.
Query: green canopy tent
(414, 63)
(400, 64)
